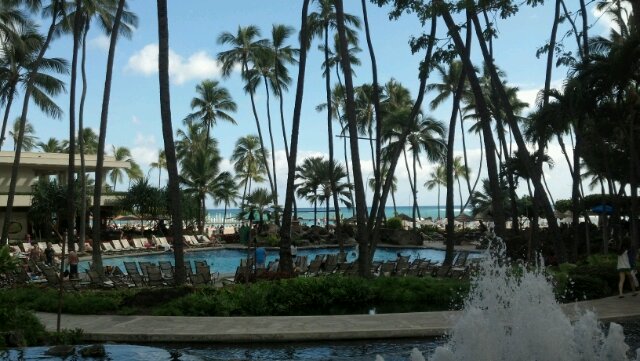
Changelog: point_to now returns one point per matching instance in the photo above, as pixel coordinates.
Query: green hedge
(329, 295)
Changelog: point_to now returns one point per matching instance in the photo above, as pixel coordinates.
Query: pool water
(226, 261)
(390, 350)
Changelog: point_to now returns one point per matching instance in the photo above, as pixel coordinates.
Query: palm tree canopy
(213, 103)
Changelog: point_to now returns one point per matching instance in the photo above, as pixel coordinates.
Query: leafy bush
(394, 223)
(585, 287)
(8, 263)
(20, 327)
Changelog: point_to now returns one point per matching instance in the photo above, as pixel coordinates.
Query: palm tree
(326, 171)
(167, 134)
(30, 88)
(320, 25)
(29, 140)
(191, 139)
(245, 49)
(225, 191)
(198, 174)
(17, 62)
(51, 146)
(159, 164)
(214, 102)
(104, 116)
(282, 55)
(425, 134)
(309, 174)
(286, 262)
(437, 178)
(246, 162)
(123, 154)
(460, 171)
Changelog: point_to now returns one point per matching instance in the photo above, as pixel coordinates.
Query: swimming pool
(227, 260)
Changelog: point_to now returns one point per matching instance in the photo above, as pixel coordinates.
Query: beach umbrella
(602, 209)
(126, 218)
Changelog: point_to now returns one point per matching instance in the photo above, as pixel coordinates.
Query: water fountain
(512, 314)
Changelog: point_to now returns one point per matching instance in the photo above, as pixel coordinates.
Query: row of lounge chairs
(142, 244)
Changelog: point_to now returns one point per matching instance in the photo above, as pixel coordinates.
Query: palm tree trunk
(286, 263)
(448, 259)
(379, 203)
(104, 116)
(361, 207)
(167, 133)
(376, 102)
(5, 119)
(273, 152)
(406, 165)
(262, 148)
(415, 188)
(71, 190)
(83, 175)
(23, 120)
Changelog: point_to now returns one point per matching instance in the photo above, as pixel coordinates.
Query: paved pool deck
(167, 329)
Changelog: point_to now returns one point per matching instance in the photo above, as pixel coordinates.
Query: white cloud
(197, 66)
(529, 94)
(145, 150)
(135, 120)
(100, 42)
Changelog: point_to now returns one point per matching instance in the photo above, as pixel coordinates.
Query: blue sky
(134, 115)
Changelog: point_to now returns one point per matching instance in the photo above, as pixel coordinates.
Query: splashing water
(511, 313)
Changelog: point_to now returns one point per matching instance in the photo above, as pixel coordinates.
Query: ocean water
(216, 216)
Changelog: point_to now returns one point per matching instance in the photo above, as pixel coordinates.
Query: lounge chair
(42, 245)
(57, 249)
(166, 268)
(207, 276)
(117, 246)
(331, 263)
(387, 268)
(99, 281)
(107, 247)
(125, 245)
(315, 267)
(154, 276)
(139, 244)
(26, 247)
(53, 280)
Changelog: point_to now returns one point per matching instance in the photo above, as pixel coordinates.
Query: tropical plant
(29, 140)
(212, 104)
(437, 178)
(310, 179)
(51, 146)
(30, 88)
(247, 164)
(245, 49)
(123, 154)
(225, 191)
(159, 164)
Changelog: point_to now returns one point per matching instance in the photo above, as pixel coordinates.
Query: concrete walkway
(297, 328)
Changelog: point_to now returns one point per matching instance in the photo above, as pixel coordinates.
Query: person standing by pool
(48, 254)
(624, 269)
(73, 265)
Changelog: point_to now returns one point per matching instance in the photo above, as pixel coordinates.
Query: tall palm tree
(321, 23)
(247, 163)
(78, 18)
(460, 171)
(437, 178)
(167, 134)
(212, 104)
(16, 63)
(29, 140)
(244, 51)
(328, 186)
(23, 119)
(282, 56)
(159, 164)
(104, 116)
(286, 262)
(394, 185)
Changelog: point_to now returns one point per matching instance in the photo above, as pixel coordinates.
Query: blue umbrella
(602, 209)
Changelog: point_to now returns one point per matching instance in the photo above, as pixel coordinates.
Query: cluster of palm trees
(597, 106)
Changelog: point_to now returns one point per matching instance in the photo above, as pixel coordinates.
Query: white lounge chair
(125, 245)
(138, 244)
(57, 249)
(117, 246)
(107, 247)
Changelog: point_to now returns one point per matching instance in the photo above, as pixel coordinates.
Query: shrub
(20, 327)
(394, 223)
